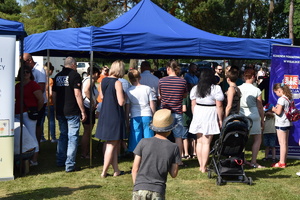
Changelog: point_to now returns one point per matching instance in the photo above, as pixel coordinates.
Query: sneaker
(298, 173)
(54, 140)
(32, 163)
(43, 140)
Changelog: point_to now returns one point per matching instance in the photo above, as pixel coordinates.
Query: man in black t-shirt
(68, 101)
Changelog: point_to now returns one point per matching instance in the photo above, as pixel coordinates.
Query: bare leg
(206, 140)
(273, 152)
(199, 149)
(283, 143)
(179, 143)
(267, 152)
(85, 140)
(185, 147)
(255, 147)
(109, 154)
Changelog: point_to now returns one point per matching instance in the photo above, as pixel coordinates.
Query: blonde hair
(286, 90)
(117, 69)
(133, 75)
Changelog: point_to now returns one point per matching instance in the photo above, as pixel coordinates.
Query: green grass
(46, 181)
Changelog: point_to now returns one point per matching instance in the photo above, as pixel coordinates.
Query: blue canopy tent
(66, 42)
(8, 27)
(147, 31)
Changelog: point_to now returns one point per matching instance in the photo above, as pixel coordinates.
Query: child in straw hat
(154, 158)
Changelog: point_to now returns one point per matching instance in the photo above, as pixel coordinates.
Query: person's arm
(120, 93)
(153, 106)
(277, 109)
(39, 96)
(193, 103)
(100, 91)
(43, 86)
(174, 170)
(260, 110)
(135, 167)
(230, 95)
(184, 109)
(219, 105)
(127, 111)
(79, 100)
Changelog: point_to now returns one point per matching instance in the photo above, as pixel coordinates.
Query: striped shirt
(172, 89)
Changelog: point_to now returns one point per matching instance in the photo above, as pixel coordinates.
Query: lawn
(46, 181)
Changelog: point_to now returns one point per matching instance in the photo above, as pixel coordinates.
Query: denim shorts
(269, 139)
(283, 128)
(178, 132)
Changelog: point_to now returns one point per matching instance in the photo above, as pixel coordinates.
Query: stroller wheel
(209, 175)
(219, 180)
(250, 182)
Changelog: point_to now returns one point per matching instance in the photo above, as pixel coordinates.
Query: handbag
(33, 113)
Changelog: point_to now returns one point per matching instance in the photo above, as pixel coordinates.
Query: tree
(10, 9)
(291, 21)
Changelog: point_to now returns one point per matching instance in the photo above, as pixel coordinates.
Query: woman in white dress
(207, 108)
(251, 106)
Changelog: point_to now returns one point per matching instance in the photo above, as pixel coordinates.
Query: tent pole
(91, 108)
(21, 102)
(48, 92)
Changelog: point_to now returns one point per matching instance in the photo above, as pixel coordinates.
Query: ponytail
(286, 90)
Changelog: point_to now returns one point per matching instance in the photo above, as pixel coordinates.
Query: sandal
(256, 165)
(186, 157)
(279, 165)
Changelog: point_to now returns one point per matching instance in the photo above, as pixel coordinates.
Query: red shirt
(29, 98)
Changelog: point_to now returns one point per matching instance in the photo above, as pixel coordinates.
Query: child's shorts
(146, 194)
(270, 139)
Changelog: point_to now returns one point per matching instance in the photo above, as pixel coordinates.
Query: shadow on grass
(47, 193)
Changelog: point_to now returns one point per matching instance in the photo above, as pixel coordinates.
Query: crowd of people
(145, 111)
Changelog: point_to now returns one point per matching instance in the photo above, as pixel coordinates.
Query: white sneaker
(43, 140)
(54, 141)
(33, 163)
(298, 173)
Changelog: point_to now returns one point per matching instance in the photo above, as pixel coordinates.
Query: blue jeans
(51, 119)
(68, 141)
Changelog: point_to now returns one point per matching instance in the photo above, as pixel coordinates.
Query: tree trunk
(291, 21)
(251, 10)
(155, 64)
(270, 19)
(133, 64)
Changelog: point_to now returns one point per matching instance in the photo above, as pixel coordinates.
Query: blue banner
(285, 68)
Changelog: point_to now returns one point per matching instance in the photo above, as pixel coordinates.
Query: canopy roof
(8, 27)
(147, 31)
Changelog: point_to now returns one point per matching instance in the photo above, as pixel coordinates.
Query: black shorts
(88, 119)
(41, 116)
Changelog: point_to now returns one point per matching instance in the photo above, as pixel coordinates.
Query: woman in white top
(207, 108)
(141, 106)
(90, 103)
(282, 124)
(251, 106)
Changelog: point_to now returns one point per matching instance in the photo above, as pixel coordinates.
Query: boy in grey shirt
(154, 158)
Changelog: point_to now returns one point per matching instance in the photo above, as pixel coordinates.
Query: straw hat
(163, 121)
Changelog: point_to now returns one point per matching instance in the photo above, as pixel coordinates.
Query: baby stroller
(228, 151)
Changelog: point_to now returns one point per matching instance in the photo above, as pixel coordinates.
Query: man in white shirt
(149, 79)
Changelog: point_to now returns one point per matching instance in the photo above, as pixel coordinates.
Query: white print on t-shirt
(62, 81)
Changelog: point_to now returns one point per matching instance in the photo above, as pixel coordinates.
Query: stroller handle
(238, 117)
